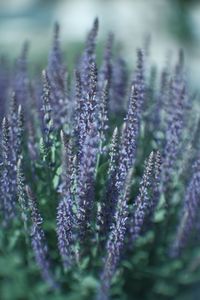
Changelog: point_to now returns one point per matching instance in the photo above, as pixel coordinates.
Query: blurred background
(170, 23)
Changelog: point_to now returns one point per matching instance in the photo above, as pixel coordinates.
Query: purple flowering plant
(99, 178)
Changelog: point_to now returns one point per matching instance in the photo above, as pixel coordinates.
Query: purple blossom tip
(38, 240)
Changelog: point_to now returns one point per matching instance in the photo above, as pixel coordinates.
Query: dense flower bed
(99, 178)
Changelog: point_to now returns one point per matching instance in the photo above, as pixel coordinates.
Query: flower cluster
(79, 145)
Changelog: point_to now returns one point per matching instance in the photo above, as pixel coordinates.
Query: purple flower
(38, 241)
(88, 57)
(86, 84)
(142, 203)
(103, 113)
(47, 112)
(7, 194)
(160, 110)
(65, 225)
(155, 183)
(79, 125)
(87, 109)
(138, 81)
(5, 75)
(189, 214)
(129, 138)
(58, 82)
(20, 131)
(115, 243)
(67, 163)
(105, 73)
(132, 124)
(65, 214)
(109, 201)
(22, 196)
(16, 119)
(91, 98)
(21, 80)
(85, 184)
(16, 125)
(119, 84)
(176, 118)
(32, 142)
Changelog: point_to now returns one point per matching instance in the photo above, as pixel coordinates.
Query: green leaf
(159, 216)
(89, 282)
(56, 181)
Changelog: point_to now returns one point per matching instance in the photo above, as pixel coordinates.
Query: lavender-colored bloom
(85, 184)
(21, 80)
(36, 101)
(91, 98)
(177, 85)
(155, 183)
(139, 81)
(86, 80)
(103, 112)
(5, 142)
(55, 64)
(58, 81)
(142, 204)
(129, 138)
(7, 195)
(65, 214)
(118, 85)
(113, 153)
(189, 213)
(80, 115)
(4, 85)
(17, 128)
(38, 241)
(79, 128)
(173, 136)
(105, 73)
(115, 243)
(109, 201)
(32, 143)
(132, 124)
(13, 109)
(162, 99)
(13, 128)
(87, 109)
(65, 225)
(191, 148)
(67, 162)
(47, 112)
(20, 130)
(88, 57)
(150, 90)
(150, 107)
(22, 196)
(178, 105)
(16, 136)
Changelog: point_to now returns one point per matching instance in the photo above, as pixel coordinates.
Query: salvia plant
(99, 177)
